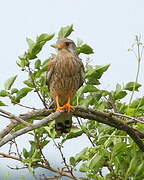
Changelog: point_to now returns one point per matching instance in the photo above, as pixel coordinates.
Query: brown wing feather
(50, 71)
(82, 71)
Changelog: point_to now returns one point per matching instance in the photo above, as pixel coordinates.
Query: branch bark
(83, 112)
(62, 173)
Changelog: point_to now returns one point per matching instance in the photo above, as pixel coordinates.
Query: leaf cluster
(113, 155)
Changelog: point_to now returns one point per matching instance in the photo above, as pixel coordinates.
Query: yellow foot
(68, 107)
(60, 108)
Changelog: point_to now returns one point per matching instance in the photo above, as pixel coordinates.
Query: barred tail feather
(63, 123)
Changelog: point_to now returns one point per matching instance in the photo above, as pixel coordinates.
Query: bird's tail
(63, 123)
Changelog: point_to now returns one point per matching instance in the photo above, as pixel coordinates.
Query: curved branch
(62, 173)
(30, 128)
(83, 112)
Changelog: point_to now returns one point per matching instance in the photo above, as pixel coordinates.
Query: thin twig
(12, 116)
(24, 106)
(62, 173)
(17, 168)
(27, 116)
(129, 117)
(29, 128)
(138, 55)
(9, 156)
(83, 112)
(112, 102)
(17, 149)
(59, 147)
(85, 133)
(4, 116)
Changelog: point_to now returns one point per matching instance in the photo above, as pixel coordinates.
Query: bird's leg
(59, 108)
(68, 106)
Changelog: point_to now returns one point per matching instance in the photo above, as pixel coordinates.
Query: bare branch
(8, 129)
(12, 116)
(24, 106)
(29, 128)
(27, 116)
(9, 156)
(62, 173)
(59, 147)
(83, 112)
(133, 120)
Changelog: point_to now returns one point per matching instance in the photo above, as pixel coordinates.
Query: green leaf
(88, 88)
(72, 161)
(93, 81)
(25, 153)
(132, 86)
(45, 142)
(85, 89)
(137, 103)
(85, 49)
(29, 83)
(23, 57)
(119, 94)
(139, 170)
(73, 134)
(118, 149)
(44, 37)
(37, 64)
(80, 156)
(132, 167)
(35, 48)
(30, 43)
(94, 73)
(2, 104)
(23, 61)
(130, 111)
(96, 162)
(4, 93)
(14, 90)
(50, 129)
(84, 167)
(89, 100)
(22, 93)
(8, 84)
(105, 92)
(65, 31)
(101, 69)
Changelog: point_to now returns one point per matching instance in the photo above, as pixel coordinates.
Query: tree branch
(29, 128)
(62, 173)
(12, 116)
(83, 112)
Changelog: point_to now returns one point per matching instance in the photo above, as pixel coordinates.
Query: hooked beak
(60, 45)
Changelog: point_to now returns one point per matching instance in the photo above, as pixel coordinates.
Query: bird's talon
(69, 107)
(59, 109)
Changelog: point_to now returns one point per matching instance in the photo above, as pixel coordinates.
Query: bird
(65, 76)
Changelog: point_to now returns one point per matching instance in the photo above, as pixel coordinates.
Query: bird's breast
(66, 74)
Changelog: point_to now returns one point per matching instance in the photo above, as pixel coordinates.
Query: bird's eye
(67, 44)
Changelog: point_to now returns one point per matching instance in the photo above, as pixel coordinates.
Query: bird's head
(67, 44)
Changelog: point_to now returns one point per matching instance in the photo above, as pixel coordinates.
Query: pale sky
(108, 27)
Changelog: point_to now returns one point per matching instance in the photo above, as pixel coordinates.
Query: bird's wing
(50, 71)
(82, 72)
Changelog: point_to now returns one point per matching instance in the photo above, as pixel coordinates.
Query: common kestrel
(65, 76)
